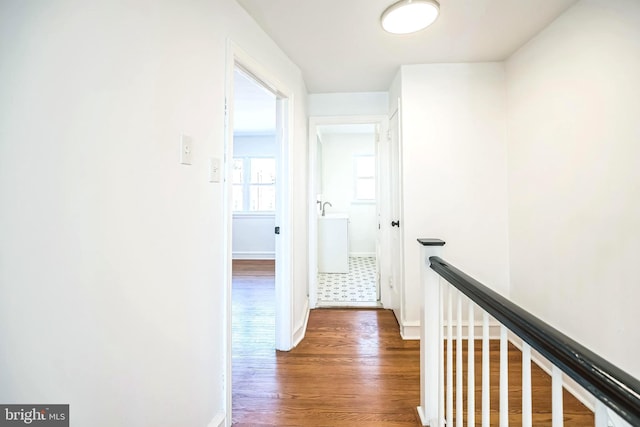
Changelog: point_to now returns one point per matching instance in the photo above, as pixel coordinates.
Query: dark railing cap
(431, 242)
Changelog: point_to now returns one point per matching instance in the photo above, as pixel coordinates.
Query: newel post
(430, 335)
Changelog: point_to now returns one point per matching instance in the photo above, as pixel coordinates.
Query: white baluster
(602, 416)
(526, 385)
(616, 420)
(504, 378)
(557, 411)
(471, 372)
(459, 389)
(486, 400)
(441, 412)
(449, 358)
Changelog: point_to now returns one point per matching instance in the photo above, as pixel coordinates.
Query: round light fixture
(409, 16)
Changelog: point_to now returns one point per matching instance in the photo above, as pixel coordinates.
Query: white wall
(454, 158)
(348, 104)
(338, 151)
(574, 193)
(254, 236)
(111, 275)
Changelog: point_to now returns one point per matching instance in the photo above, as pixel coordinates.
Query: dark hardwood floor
(352, 368)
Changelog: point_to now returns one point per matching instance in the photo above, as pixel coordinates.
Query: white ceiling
(254, 109)
(341, 47)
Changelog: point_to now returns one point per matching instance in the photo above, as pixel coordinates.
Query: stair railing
(616, 393)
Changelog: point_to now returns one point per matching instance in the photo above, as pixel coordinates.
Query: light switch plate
(214, 169)
(186, 149)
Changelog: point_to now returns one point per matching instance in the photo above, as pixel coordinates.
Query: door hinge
(277, 230)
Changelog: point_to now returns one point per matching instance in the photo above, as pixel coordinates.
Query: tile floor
(357, 288)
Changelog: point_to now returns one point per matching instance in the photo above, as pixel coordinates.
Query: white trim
(250, 133)
(350, 304)
(228, 227)
(244, 214)
(254, 255)
(410, 329)
(299, 332)
(218, 420)
(362, 254)
(423, 418)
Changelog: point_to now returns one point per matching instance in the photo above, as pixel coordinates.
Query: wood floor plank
(352, 368)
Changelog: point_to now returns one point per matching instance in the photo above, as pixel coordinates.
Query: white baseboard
(219, 420)
(336, 304)
(410, 330)
(362, 254)
(423, 420)
(301, 330)
(253, 255)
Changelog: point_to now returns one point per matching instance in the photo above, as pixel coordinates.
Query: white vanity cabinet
(333, 243)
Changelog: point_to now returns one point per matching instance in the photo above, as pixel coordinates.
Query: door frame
(238, 57)
(396, 254)
(381, 124)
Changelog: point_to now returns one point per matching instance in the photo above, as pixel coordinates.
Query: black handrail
(608, 383)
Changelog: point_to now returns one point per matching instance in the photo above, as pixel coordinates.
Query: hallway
(351, 369)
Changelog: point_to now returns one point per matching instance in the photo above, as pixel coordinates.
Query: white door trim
(236, 56)
(314, 122)
(396, 235)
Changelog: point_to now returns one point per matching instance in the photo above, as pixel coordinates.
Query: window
(254, 187)
(365, 177)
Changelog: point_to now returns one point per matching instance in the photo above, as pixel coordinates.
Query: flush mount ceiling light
(409, 16)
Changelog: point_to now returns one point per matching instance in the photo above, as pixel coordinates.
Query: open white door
(284, 302)
(395, 187)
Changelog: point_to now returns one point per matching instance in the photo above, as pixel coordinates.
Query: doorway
(257, 188)
(345, 216)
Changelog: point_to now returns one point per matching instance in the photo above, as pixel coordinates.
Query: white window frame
(356, 178)
(247, 184)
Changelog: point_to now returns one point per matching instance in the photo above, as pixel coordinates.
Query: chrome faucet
(323, 206)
